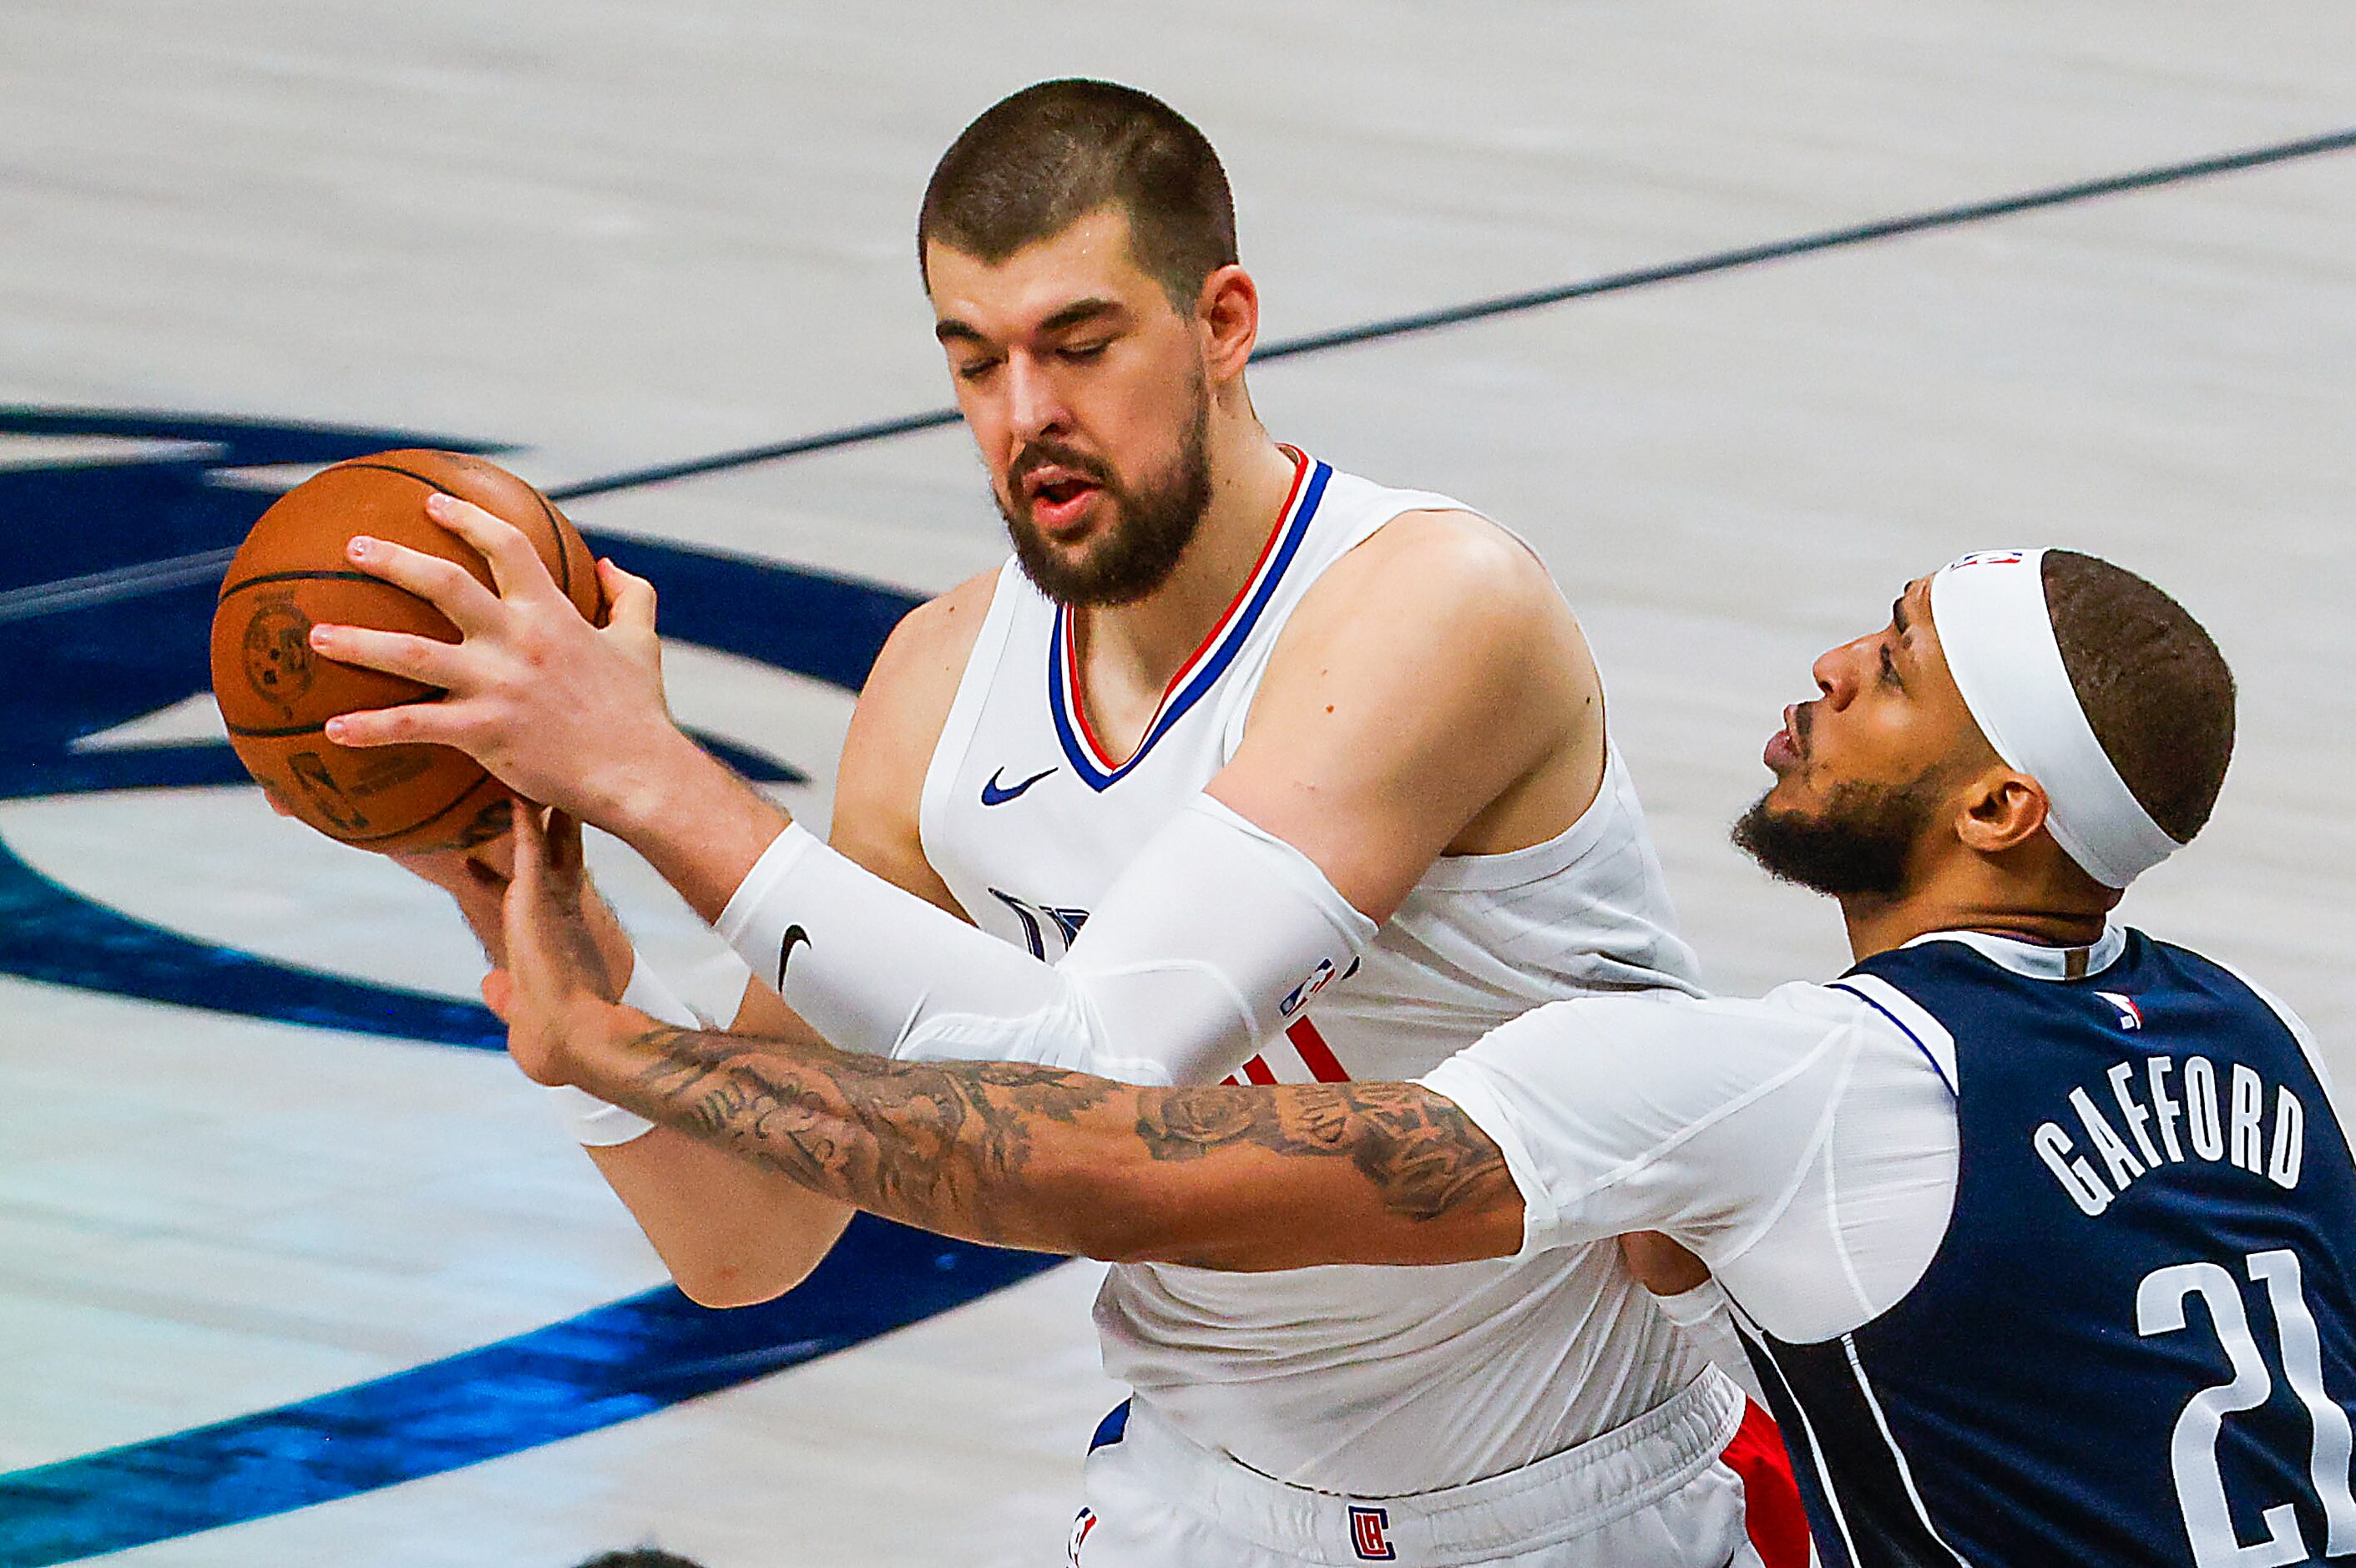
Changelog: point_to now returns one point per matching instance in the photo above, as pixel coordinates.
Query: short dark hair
(2156, 691)
(640, 1557)
(1038, 162)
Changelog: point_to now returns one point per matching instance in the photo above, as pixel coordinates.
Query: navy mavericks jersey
(2136, 1342)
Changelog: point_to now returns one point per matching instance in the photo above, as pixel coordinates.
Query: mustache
(1041, 454)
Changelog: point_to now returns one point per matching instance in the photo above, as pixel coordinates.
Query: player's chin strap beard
(1992, 623)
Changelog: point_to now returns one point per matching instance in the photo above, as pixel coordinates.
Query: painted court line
(71, 593)
(612, 1364)
(1532, 299)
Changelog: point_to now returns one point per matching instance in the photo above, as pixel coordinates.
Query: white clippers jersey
(1368, 1380)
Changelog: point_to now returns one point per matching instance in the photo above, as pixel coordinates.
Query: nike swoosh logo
(995, 794)
(786, 954)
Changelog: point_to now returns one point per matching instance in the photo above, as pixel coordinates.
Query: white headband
(1989, 611)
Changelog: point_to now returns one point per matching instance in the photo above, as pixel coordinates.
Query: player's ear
(1227, 312)
(1999, 809)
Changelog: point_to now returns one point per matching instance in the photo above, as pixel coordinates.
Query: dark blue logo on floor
(108, 570)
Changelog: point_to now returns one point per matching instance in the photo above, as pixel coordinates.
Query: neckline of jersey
(1088, 756)
(2035, 960)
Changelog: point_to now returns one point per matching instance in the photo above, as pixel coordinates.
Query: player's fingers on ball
(516, 565)
(630, 600)
(410, 724)
(420, 659)
(530, 840)
(531, 850)
(564, 845)
(449, 586)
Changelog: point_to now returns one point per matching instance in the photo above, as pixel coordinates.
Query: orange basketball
(277, 694)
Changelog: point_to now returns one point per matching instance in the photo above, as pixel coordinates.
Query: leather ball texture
(276, 694)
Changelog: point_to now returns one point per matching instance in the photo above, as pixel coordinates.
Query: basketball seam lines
(320, 575)
(406, 474)
(563, 557)
(275, 733)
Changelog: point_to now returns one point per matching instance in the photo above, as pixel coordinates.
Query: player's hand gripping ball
(275, 693)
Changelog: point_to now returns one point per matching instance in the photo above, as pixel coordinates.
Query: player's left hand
(560, 711)
(553, 993)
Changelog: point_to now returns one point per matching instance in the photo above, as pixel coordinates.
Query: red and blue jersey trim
(1209, 662)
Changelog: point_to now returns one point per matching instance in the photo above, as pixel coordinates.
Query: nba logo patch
(1081, 1525)
(1370, 1534)
(2130, 1015)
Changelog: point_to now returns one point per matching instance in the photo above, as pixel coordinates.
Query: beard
(1857, 847)
(1153, 522)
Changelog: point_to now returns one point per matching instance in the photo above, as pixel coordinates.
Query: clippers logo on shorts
(1370, 1534)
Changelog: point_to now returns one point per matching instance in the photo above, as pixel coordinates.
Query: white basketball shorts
(1701, 1482)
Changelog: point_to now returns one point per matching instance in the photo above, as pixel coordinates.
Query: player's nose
(1035, 401)
(1837, 672)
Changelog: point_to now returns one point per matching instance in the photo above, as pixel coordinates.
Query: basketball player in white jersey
(2035, 1227)
(1242, 767)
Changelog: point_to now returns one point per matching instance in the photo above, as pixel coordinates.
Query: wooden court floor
(275, 1233)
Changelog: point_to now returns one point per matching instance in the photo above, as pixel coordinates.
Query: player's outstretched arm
(1240, 1178)
(1024, 1156)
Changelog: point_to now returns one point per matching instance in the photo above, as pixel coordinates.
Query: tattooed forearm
(1061, 1162)
(948, 1147)
(1422, 1154)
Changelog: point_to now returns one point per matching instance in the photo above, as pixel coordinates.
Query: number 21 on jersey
(2160, 1302)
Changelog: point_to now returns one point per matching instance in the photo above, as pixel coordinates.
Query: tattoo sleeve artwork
(1423, 1154)
(1001, 1153)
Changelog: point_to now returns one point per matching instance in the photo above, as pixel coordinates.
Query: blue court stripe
(814, 623)
(50, 933)
(612, 1364)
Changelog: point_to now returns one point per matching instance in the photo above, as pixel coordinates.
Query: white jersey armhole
(966, 708)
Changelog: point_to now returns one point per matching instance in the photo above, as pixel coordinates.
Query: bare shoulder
(1446, 579)
(901, 710)
(1433, 678)
(1442, 563)
(932, 641)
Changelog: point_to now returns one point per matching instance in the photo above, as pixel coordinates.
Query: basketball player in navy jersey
(1241, 768)
(2036, 1228)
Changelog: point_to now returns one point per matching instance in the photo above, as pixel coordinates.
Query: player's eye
(1889, 670)
(1081, 353)
(974, 370)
